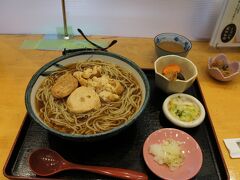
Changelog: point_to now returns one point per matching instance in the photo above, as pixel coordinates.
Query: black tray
(123, 150)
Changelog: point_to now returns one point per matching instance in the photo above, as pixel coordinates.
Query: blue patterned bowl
(174, 40)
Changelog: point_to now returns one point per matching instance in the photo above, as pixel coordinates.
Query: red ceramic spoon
(46, 162)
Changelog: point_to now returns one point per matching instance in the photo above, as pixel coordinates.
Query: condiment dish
(193, 157)
(183, 110)
(220, 68)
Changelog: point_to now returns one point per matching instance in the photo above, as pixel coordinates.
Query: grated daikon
(168, 152)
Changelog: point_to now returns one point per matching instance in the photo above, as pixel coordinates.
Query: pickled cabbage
(184, 109)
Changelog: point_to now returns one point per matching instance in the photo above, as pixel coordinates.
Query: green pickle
(184, 109)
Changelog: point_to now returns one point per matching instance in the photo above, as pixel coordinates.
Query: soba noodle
(54, 112)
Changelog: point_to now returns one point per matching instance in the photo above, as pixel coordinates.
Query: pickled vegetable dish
(183, 109)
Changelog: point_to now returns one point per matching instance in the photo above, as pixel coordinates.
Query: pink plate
(192, 153)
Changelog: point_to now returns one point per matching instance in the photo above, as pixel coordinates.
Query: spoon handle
(109, 171)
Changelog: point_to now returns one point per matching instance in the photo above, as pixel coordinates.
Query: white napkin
(233, 146)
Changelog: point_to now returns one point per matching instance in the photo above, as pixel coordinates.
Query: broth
(55, 111)
(171, 46)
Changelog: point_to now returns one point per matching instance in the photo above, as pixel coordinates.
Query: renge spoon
(46, 162)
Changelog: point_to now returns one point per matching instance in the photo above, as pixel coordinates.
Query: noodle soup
(105, 97)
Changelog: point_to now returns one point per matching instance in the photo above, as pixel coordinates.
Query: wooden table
(18, 65)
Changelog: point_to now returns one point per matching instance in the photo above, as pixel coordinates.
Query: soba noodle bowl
(56, 114)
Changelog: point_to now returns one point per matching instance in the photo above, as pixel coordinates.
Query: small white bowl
(189, 71)
(176, 120)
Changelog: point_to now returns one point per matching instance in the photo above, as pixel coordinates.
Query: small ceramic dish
(188, 70)
(183, 110)
(220, 68)
(172, 43)
(193, 157)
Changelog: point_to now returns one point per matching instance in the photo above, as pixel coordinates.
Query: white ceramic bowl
(176, 120)
(189, 71)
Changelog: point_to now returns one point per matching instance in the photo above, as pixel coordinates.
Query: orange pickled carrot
(171, 68)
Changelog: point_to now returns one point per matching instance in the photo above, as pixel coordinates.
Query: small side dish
(172, 154)
(220, 68)
(174, 74)
(184, 110)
